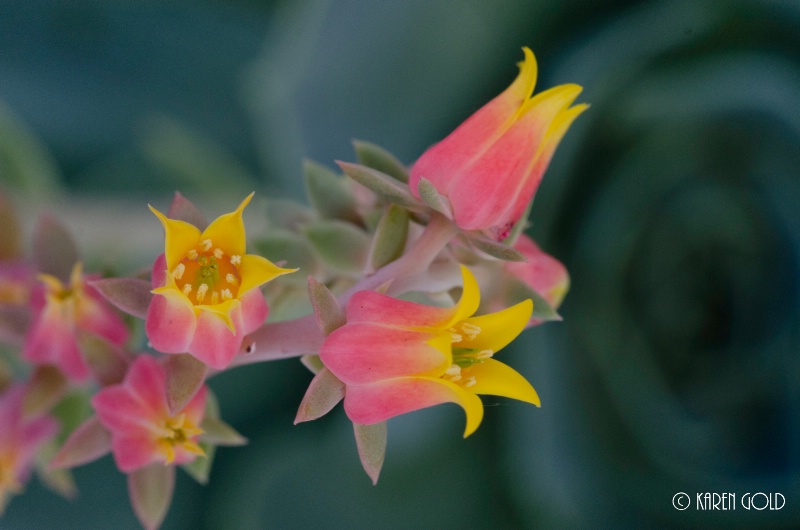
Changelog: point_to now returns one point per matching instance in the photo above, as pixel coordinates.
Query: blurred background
(676, 368)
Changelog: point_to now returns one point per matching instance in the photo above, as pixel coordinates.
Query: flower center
(207, 276)
(179, 432)
(465, 357)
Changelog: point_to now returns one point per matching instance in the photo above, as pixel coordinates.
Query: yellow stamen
(187, 289)
(218, 253)
(206, 245)
(470, 329)
(230, 278)
(201, 292)
(236, 260)
(226, 294)
(179, 270)
(192, 254)
(214, 297)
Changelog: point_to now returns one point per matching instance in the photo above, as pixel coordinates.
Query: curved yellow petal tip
(528, 71)
(161, 216)
(245, 202)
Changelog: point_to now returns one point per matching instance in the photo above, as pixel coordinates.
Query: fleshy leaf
(377, 157)
(371, 443)
(329, 315)
(45, 388)
(494, 248)
(283, 246)
(107, 361)
(324, 392)
(313, 363)
(329, 193)
(185, 210)
(130, 295)
(150, 489)
(54, 250)
(338, 244)
(381, 183)
(86, 444)
(185, 376)
(217, 432)
(431, 196)
(390, 237)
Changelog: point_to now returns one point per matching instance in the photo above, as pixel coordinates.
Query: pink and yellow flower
(491, 165)
(20, 439)
(137, 415)
(207, 289)
(62, 312)
(396, 356)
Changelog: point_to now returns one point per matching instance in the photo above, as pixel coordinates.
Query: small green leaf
(200, 467)
(283, 246)
(339, 245)
(431, 196)
(313, 363)
(217, 432)
(183, 209)
(329, 314)
(86, 444)
(185, 376)
(495, 248)
(329, 193)
(130, 295)
(45, 388)
(371, 443)
(54, 250)
(107, 361)
(381, 183)
(150, 489)
(324, 392)
(390, 237)
(377, 157)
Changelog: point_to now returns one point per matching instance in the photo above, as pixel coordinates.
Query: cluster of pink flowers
(450, 230)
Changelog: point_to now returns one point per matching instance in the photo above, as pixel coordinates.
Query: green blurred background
(677, 367)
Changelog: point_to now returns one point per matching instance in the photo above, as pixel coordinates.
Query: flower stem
(302, 336)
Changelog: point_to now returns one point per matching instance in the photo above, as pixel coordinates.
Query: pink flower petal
(376, 402)
(371, 306)
(213, 342)
(52, 340)
(254, 310)
(364, 353)
(170, 323)
(132, 453)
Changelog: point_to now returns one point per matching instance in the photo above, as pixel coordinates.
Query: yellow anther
(470, 329)
(236, 259)
(218, 253)
(453, 373)
(201, 292)
(484, 354)
(231, 279)
(192, 254)
(470, 381)
(187, 288)
(226, 294)
(177, 274)
(206, 245)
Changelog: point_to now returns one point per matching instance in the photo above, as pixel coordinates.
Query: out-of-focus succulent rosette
(678, 223)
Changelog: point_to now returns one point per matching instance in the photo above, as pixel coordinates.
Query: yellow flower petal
(223, 311)
(180, 237)
(257, 270)
(498, 379)
(470, 299)
(226, 232)
(497, 330)
(525, 82)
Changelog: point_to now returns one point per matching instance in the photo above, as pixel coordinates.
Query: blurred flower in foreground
(396, 356)
(490, 167)
(62, 312)
(207, 289)
(142, 428)
(20, 439)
